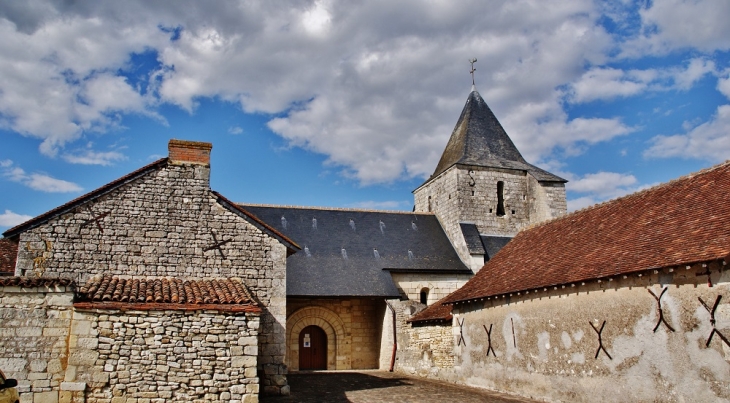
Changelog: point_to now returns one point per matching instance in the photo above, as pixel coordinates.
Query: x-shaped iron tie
(489, 340)
(712, 321)
(600, 341)
(95, 219)
(217, 245)
(461, 332)
(661, 312)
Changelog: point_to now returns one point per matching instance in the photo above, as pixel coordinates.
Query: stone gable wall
(165, 224)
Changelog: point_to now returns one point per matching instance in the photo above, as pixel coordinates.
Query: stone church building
(154, 286)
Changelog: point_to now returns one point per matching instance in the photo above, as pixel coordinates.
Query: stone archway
(338, 354)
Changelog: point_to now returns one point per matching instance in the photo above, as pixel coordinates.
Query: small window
(500, 198)
(429, 204)
(424, 296)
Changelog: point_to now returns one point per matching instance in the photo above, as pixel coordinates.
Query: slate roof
(479, 140)
(8, 254)
(166, 290)
(682, 222)
(487, 245)
(322, 268)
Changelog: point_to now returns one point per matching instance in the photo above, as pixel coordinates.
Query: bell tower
(483, 191)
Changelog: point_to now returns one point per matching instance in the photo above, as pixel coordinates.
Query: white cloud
(37, 181)
(607, 83)
(10, 219)
(710, 140)
(723, 84)
(678, 24)
(598, 187)
(235, 130)
(91, 157)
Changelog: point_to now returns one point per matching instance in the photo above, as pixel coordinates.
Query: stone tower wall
(469, 195)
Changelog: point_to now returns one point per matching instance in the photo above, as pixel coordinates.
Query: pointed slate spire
(479, 140)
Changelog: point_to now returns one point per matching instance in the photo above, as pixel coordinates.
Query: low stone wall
(422, 350)
(546, 345)
(61, 354)
(34, 327)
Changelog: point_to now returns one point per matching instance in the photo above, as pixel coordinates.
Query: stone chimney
(189, 152)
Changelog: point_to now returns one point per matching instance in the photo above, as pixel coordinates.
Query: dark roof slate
(682, 222)
(472, 238)
(374, 242)
(8, 254)
(493, 244)
(480, 140)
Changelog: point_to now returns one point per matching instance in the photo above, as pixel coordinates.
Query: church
(156, 286)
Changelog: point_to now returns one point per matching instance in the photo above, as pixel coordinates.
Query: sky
(350, 104)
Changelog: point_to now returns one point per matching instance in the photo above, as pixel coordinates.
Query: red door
(312, 348)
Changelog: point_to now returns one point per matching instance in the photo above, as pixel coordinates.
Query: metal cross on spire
(472, 61)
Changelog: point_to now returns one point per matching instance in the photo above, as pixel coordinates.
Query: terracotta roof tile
(8, 253)
(682, 222)
(166, 291)
(29, 282)
(436, 312)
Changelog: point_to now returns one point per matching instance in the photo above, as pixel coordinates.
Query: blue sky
(332, 103)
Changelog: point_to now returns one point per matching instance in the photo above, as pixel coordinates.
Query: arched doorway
(312, 348)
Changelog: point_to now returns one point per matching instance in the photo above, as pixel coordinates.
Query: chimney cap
(189, 152)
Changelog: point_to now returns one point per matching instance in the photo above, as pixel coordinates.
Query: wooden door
(312, 348)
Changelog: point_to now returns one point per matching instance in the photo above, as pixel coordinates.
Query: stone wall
(60, 354)
(422, 350)
(545, 343)
(438, 285)
(352, 326)
(166, 223)
(35, 324)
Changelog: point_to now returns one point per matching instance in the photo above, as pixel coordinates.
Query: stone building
(157, 261)
(622, 301)
(159, 230)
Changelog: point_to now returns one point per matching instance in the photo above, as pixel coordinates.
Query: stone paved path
(380, 386)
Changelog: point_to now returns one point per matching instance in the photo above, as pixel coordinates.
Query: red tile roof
(682, 222)
(8, 253)
(29, 282)
(166, 290)
(436, 312)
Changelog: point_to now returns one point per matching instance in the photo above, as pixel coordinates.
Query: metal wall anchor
(95, 219)
(489, 340)
(661, 312)
(217, 245)
(712, 321)
(461, 332)
(600, 340)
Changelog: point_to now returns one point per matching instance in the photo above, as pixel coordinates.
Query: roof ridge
(630, 195)
(353, 209)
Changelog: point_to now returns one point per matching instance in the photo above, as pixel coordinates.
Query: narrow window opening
(513, 211)
(500, 198)
(472, 193)
(429, 204)
(424, 296)
(490, 211)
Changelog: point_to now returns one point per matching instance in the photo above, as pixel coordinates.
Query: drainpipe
(395, 342)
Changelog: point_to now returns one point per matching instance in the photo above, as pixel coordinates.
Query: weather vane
(472, 61)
